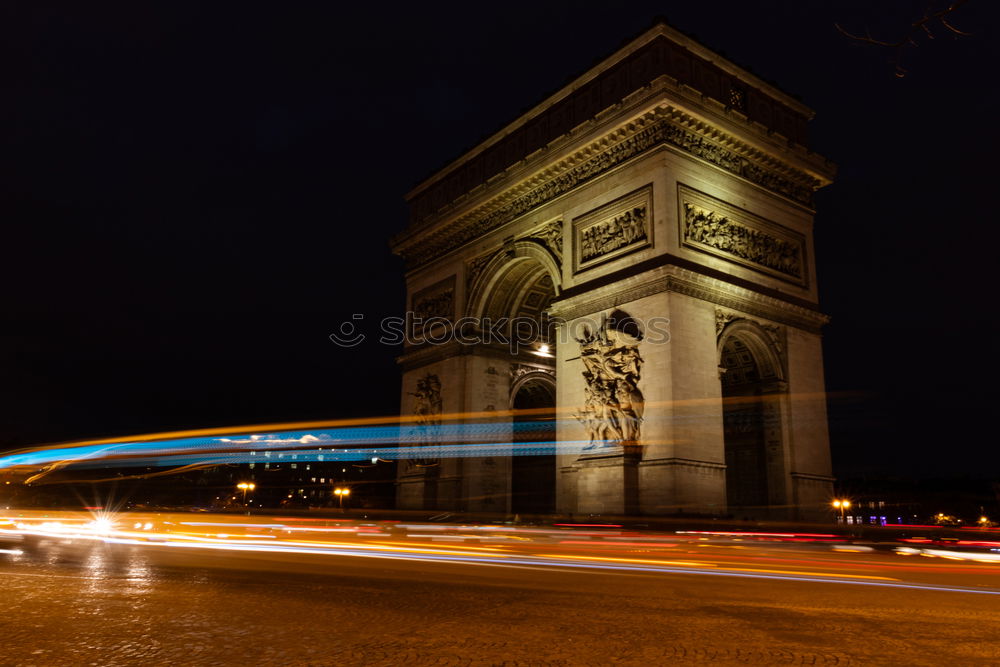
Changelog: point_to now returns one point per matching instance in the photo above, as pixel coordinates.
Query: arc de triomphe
(659, 210)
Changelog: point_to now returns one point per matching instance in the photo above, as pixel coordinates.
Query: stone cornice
(664, 126)
(672, 278)
(691, 463)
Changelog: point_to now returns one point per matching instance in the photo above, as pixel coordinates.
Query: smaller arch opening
(751, 374)
(743, 424)
(533, 477)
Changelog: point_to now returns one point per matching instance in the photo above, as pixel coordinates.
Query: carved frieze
(617, 232)
(437, 301)
(619, 227)
(427, 409)
(663, 127)
(427, 404)
(518, 371)
(550, 235)
(712, 226)
(722, 318)
(474, 269)
(613, 403)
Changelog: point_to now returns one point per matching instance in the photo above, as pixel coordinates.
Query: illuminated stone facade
(659, 208)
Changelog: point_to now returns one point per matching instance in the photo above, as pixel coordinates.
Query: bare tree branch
(920, 26)
(954, 29)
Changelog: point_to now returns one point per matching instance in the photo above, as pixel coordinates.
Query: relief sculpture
(475, 269)
(619, 232)
(653, 131)
(551, 236)
(440, 306)
(722, 233)
(438, 300)
(613, 402)
(427, 408)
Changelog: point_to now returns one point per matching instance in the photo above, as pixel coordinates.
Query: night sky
(192, 199)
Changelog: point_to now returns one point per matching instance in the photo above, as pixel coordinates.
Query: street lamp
(843, 506)
(341, 492)
(244, 487)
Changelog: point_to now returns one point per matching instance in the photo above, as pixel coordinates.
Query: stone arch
(752, 374)
(765, 350)
(533, 382)
(519, 283)
(517, 264)
(533, 472)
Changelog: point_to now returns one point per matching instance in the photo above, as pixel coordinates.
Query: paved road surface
(537, 600)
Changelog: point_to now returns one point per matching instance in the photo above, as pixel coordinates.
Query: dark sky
(193, 198)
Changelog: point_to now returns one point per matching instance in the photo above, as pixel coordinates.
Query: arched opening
(519, 283)
(521, 293)
(743, 424)
(752, 372)
(533, 476)
(511, 298)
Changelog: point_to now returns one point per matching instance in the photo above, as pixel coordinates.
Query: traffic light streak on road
(540, 548)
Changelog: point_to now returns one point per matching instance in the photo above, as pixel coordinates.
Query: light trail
(383, 443)
(474, 434)
(405, 546)
(343, 444)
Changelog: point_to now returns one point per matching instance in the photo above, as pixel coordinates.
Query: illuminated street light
(843, 506)
(244, 487)
(341, 492)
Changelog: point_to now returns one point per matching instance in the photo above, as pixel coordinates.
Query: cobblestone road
(100, 605)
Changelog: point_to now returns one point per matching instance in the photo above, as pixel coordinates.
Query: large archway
(517, 287)
(516, 284)
(533, 476)
(752, 381)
